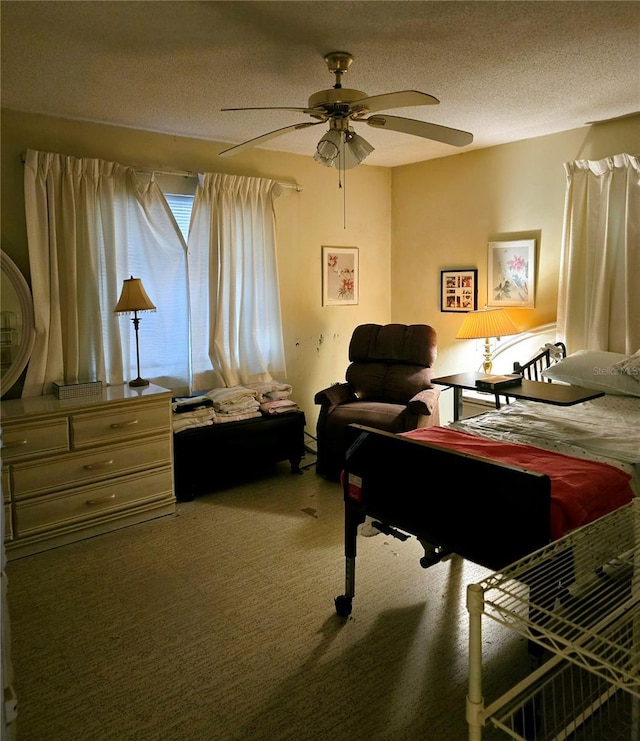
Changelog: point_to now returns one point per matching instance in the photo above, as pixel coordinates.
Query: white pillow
(630, 365)
(594, 369)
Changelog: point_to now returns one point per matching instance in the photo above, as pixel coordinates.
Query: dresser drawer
(92, 503)
(74, 469)
(38, 438)
(111, 425)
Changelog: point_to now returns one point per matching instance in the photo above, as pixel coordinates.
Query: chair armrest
(339, 393)
(425, 402)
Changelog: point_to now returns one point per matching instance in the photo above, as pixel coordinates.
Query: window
(122, 229)
(181, 207)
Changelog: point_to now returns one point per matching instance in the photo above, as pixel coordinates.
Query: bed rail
(548, 355)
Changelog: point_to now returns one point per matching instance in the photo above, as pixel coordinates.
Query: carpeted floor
(219, 623)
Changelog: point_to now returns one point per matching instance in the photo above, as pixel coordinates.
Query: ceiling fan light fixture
(342, 148)
(328, 148)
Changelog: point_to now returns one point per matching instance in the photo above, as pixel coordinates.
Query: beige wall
(316, 337)
(408, 223)
(445, 211)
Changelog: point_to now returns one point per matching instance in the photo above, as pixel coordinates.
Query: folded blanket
(189, 403)
(189, 420)
(222, 418)
(247, 405)
(278, 406)
(224, 397)
(270, 390)
(206, 417)
(275, 395)
(191, 424)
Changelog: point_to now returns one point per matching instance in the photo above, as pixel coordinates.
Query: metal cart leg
(475, 701)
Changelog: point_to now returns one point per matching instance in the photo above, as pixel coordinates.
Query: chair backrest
(391, 362)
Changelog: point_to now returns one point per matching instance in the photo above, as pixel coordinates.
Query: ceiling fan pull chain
(344, 208)
(343, 176)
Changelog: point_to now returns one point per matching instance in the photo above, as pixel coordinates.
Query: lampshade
(328, 147)
(133, 297)
(342, 148)
(486, 323)
(355, 150)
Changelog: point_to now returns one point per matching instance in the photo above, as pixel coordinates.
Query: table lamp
(486, 323)
(134, 299)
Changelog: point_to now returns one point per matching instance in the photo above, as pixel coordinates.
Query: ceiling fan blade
(400, 99)
(444, 134)
(309, 111)
(265, 137)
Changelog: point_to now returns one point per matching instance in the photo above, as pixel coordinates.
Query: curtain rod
(186, 174)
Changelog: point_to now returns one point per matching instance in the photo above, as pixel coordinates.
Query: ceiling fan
(340, 107)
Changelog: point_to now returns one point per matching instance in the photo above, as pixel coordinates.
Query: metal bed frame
(532, 369)
(497, 529)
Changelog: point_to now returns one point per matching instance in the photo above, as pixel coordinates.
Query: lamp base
(139, 382)
(487, 364)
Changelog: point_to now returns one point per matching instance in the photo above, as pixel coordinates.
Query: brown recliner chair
(388, 387)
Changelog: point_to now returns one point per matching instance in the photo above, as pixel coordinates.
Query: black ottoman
(206, 458)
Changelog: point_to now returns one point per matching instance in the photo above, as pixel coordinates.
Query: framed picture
(340, 280)
(459, 290)
(511, 273)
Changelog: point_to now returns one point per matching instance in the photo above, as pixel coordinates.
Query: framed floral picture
(511, 273)
(340, 280)
(459, 290)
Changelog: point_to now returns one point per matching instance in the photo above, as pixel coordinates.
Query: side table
(547, 393)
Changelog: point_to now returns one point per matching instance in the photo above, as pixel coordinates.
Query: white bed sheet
(606, 429)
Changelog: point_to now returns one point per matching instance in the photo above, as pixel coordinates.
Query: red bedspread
(581, 490)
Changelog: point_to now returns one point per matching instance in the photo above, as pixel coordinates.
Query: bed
(496, 487)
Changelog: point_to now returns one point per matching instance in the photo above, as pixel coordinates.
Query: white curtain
(90, 225)
(599, 290)
(233, 279)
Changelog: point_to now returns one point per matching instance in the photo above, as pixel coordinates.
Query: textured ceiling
(504, 71)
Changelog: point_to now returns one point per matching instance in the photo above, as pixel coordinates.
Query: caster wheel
(425, 562)
(343, 605)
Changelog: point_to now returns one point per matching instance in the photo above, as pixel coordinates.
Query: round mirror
(17, 330)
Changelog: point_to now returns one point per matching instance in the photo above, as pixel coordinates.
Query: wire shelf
(569, 703)
(578, 599)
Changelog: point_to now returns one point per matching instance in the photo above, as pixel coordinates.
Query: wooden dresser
(75, 468)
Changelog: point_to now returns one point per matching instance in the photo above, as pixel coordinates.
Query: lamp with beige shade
(134, 299)
(485, 324)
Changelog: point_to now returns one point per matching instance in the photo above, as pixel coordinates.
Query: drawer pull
(118, 425)
(101, 464)
(14, 443)
(101, 500)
